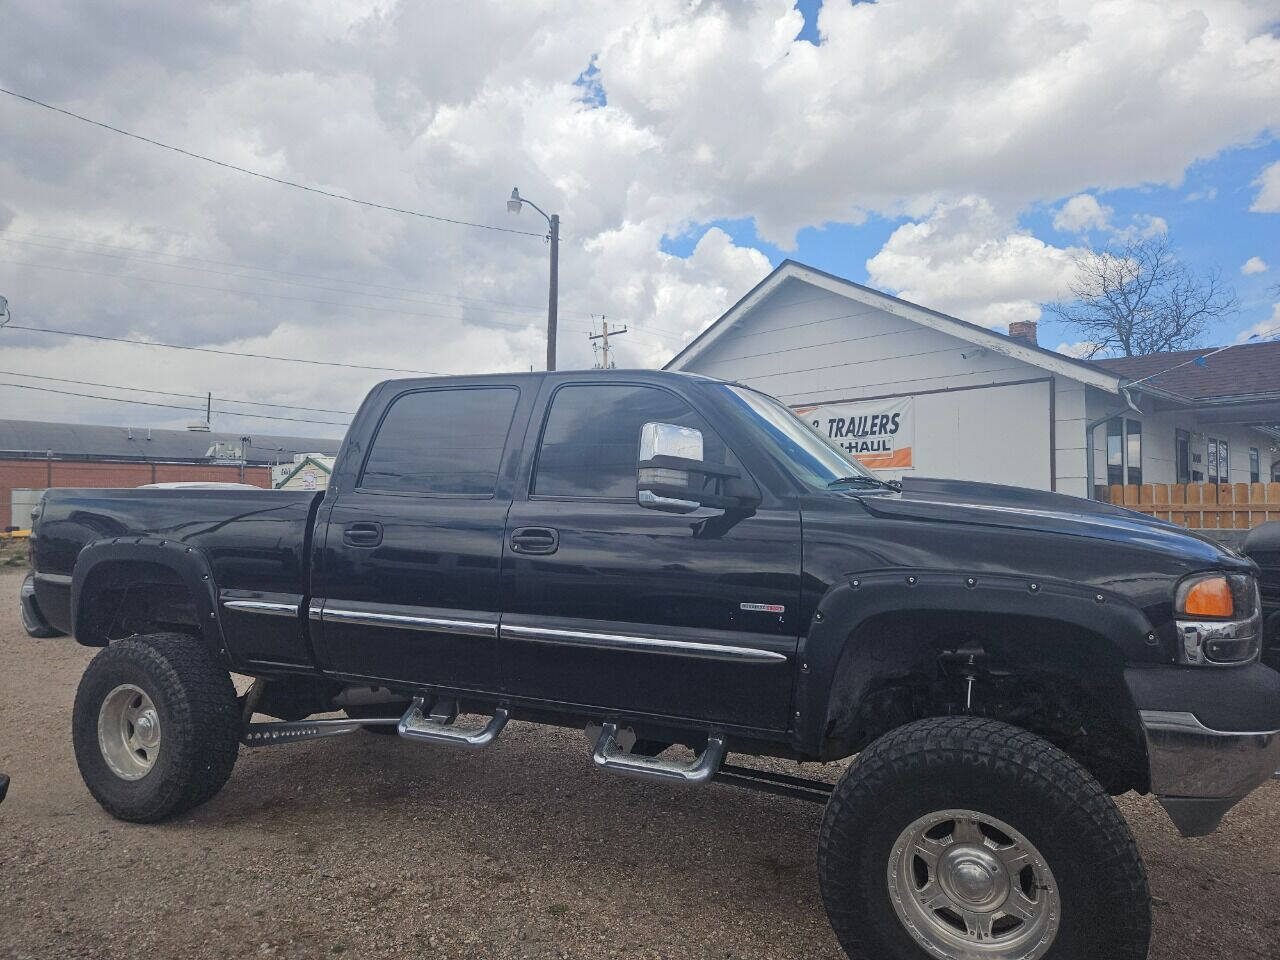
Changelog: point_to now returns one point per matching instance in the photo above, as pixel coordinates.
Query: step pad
(438, 727)
(609, 756)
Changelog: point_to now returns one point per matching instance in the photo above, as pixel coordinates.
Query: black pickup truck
(685, 569)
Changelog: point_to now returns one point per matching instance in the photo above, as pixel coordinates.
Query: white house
(910, 389)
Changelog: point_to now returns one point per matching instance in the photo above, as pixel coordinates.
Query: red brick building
(36, 456)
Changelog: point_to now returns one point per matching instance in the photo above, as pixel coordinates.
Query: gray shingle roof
(34, 438)
(1246, 370)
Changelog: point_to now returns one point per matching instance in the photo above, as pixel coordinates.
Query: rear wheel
(156, 727)
(967, 838)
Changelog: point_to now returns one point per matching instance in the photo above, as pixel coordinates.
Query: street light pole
(553, 293)
(514, 205)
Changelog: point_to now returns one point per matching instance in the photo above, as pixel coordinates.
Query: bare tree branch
(1142, 299)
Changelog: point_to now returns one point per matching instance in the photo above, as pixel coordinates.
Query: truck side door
(406, 579)
(616, 606)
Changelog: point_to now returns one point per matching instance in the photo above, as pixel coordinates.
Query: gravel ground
(368, 846)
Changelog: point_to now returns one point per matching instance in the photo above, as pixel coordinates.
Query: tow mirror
(672, 474)
(668, 454)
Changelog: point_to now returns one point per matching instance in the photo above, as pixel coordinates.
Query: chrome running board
(609, 756)
(438, 726)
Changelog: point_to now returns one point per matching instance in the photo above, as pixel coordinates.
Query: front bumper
(1198, 773)
(1212, 736)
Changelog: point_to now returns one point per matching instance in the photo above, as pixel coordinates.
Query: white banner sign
(878, 432)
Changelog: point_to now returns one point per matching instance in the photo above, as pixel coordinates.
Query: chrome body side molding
(611, 641)
(404, 621)
(266, 607)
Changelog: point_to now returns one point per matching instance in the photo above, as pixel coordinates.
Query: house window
(1124, 451)
(1255, 465)
(1219, 461)
(1115, 451)
(1182, 448)
(1133, 451)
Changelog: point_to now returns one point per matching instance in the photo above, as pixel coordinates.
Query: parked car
(670, 559)
(1263, 546)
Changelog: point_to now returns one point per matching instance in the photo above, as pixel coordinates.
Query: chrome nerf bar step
(437, 727)
(609, 756)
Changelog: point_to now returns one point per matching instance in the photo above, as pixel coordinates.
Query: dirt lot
(372, 847)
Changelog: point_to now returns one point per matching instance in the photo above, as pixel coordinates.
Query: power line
(168, 406)
(171, 393)
(265, 176)
(243, 276)
(507, 305)
(225, 353)
(272, 296)
(499, 306)
(250, 293)
(1201, 358)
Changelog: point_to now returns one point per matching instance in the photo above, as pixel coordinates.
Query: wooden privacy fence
(1217, 506)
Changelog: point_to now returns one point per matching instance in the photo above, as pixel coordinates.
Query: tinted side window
(592, 438)
(442, 442)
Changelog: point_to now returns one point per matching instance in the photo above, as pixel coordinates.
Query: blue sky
(1208, 217)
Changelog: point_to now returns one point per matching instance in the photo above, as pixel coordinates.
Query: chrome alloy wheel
(129, 732)
(968, 886)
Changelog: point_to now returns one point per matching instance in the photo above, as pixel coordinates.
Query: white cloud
(711, 112)
(1268, 184)
(1253, 265)
(1263, 329)
(971, 261)
(1081, 214)
(1081, 349)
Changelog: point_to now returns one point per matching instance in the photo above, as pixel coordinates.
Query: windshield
(814, 459)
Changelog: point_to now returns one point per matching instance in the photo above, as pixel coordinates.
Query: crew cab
(664, 559)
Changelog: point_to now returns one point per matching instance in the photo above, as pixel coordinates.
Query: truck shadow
(530, 808)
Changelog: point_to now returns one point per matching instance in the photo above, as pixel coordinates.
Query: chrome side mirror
(667, 454)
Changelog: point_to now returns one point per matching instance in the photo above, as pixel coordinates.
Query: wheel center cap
(973, 876)
(147, 726)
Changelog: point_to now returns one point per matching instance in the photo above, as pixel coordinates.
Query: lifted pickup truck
(667, 560)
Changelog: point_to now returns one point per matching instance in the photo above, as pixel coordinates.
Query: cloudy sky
(955, 153)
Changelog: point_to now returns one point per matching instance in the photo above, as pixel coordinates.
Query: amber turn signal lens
(1210, 597)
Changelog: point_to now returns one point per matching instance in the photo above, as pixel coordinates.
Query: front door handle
(534, 540)
(362, 534)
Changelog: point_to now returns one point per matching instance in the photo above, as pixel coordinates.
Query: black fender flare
(190, 564)
(848, 606)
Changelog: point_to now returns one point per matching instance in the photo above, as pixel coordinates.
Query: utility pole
(605, 362)
(208, 409)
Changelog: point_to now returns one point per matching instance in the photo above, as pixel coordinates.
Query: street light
(514, 204)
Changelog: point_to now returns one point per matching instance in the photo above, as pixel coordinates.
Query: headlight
(1219, 619)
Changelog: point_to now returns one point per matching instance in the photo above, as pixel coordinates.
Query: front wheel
(960, 837)
(156, 726)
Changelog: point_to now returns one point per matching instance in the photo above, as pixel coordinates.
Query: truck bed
(255, 541)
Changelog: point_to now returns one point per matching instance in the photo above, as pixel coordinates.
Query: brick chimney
(1024, 330)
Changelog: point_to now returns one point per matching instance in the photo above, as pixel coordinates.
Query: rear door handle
(534, 540)
(362, 534)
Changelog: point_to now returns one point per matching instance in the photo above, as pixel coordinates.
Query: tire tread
(926, 749)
